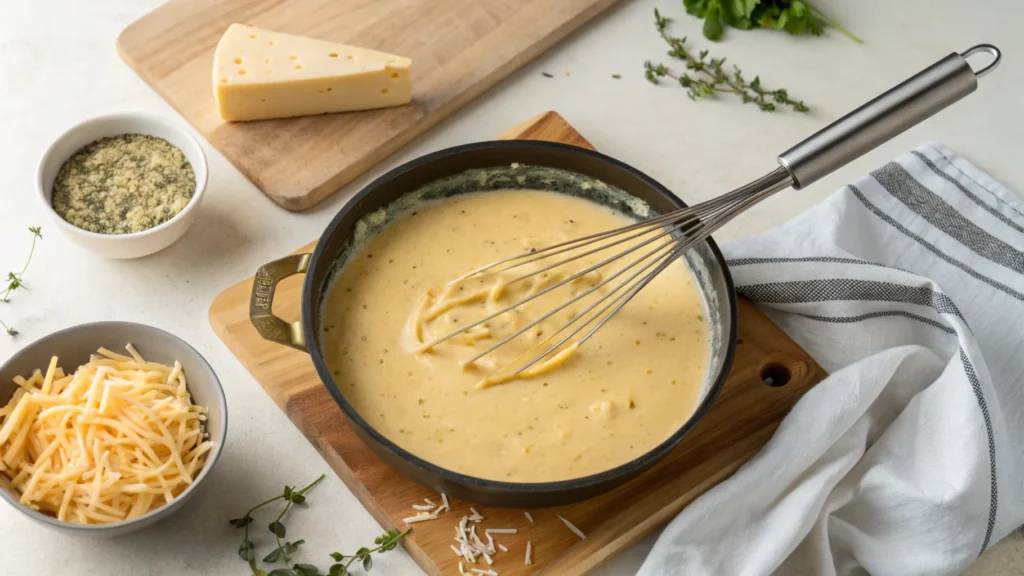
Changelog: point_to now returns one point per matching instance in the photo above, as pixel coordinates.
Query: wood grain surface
(740, 422)
(459, 49)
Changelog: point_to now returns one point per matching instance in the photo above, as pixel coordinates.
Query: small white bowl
(137, 244)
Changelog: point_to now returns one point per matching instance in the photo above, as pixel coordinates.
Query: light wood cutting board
(740, 422)
(459, 48)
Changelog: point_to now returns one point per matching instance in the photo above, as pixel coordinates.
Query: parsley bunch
(793, 16)
(15, 279)
(708, 76)
(283, 551)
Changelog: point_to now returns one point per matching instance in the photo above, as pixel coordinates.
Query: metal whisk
(657, 242)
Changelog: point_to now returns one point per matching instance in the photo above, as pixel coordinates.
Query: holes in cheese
(118, 438)
(298, 90)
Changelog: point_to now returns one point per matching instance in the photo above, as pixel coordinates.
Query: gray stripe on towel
(934, 250)
(829, 259)
(994, 500)
(872, 315)
(902, 185)
(833, 289)
(984, 205)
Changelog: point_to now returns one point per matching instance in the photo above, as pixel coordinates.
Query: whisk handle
(888, 115)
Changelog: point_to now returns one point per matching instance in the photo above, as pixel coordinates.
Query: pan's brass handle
(262, 299)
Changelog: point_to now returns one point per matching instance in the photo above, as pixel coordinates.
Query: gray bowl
(73, 346)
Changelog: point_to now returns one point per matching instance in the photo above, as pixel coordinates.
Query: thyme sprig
(15, 280)
(247, 550)
(708, 76)
(385, 542)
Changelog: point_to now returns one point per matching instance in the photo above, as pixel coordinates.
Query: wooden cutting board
(459, 48)
(740, 422)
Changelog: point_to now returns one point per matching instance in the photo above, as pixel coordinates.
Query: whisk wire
(627, 294)
(563, 247)
(575, 299)
(684, 228)
(584, 272)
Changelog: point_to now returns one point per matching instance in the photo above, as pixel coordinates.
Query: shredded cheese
(470, 546)
(529, 517)
(115, 440)
(421, 517)
(529, 552)
(572, 527)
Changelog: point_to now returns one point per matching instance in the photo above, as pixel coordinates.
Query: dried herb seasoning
(123, 184)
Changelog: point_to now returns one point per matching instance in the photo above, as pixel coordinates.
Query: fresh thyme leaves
(708, 76)
(15, 280)
(284, 550)
(793, 16)
(385, 542)
(246, 551)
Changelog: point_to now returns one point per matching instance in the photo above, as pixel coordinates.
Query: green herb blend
(123, 184)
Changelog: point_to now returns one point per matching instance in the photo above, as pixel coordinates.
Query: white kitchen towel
(908, 288)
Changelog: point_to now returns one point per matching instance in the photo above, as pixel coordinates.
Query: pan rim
(620, 473)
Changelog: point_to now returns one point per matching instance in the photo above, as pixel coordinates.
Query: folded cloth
(908, 287)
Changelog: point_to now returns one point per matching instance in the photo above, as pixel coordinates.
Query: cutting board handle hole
(775, 375)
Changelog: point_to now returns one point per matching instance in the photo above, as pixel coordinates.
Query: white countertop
(58, 66)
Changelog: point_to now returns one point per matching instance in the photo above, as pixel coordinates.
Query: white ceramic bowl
(72, 347)
(136, 244)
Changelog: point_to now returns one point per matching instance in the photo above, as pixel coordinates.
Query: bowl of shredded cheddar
(108, 427)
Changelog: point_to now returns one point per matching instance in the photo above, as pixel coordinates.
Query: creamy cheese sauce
(622, 393)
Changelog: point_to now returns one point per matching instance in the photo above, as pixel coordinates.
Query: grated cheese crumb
(529, 517)
(572, 527)
(529, 550)
(421, 517)
(502, 548)
(490, 544)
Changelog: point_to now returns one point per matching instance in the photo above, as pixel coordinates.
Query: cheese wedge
(259, 74)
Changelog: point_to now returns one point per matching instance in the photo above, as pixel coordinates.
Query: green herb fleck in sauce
(123, 184)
